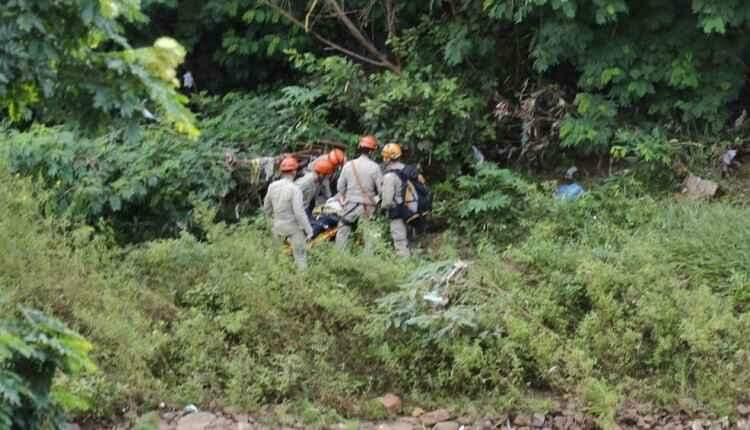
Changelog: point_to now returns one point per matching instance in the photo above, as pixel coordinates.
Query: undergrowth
(615, 295)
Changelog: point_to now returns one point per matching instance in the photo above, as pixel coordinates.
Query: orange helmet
(323, 166)
(337, 157)
(368, 142)
(289, 164)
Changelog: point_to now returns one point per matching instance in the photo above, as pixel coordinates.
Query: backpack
(413, 187)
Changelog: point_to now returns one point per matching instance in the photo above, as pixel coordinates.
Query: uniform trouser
(296, 237)
(351, 214)
(399, 234)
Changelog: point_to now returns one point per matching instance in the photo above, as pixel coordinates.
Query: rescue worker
(311, 183)
(284, 203)
(393, 197)
(358, 189)
(338, 158)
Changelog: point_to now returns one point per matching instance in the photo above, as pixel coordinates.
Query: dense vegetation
(115, 193)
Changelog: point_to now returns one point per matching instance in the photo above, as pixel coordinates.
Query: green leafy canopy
(69, 59)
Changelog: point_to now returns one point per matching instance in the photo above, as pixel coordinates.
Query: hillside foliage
(121, 219)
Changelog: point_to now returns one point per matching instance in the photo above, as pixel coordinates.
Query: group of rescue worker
(363, 186)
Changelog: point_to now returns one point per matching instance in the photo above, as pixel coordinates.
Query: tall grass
(612, 296)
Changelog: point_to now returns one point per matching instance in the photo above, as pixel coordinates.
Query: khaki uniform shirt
(370, 178)
(310, 185)
(284, 204)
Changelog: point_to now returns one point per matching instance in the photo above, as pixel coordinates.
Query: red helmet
(289, 164)
(323, 166)
(368, 142)
(337, 157)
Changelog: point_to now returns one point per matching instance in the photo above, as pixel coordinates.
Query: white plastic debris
(435, 298)
(148, 114)
(477, 154)
(187, 80)
(728, 158)
(191, 409)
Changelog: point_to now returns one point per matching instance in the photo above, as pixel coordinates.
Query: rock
(410, 420)
(395, 426)
(696, 188)
(222, 423)
(560, 423)
(484, 424)
(196, 421)
(743, 410)
(437, 416)
(391, 403)
(465, 420)
(166, 426)
(417, 412)
(537, 420)
(242, 418)
(643, 424)
(629, 416)
(74, 426)
(170, 416)
(447, 425)
(743, 424)
(696, 425)
(522, 421)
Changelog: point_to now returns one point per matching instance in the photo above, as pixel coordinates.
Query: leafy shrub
(32, 352)
(636, 60)
(50, 84)
(491, 202)
(145, 183)
(142, 186)
(433, 115)
(63, 271)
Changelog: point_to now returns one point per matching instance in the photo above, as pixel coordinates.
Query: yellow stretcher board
(321, 238)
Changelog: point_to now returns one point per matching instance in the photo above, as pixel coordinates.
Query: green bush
(69, 273)
(491, 203)
(33, 350)
(144, 184)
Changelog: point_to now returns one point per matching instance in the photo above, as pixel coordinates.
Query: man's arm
(267, 204)
(325, 188)
(379, 180)
(299, 212)
(343, 183)
(388, 191)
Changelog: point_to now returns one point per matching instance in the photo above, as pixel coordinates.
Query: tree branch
(354, 31)
(283, 12)
(390, 18)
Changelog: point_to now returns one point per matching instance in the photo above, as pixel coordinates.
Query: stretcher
(325, 224)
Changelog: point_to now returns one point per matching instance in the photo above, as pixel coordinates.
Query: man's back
(284, 203)
(309, 184)
(392, 184)
(360, 181)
